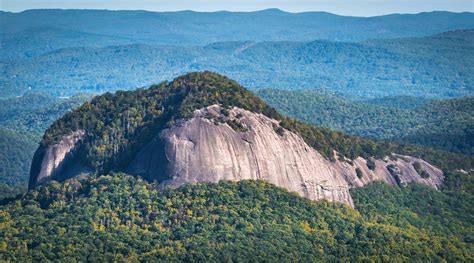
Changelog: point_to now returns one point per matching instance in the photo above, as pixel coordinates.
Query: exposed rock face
(199, 150)
(404, 171)
(203, 150)
(236, 144)
(56, 162)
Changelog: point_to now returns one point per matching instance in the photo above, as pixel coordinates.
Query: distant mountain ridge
(99, 28)
(35, 112)
(438, 66)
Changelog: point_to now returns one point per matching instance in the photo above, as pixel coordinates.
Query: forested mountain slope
(446, 124)
(442, 66)
(35, 112)
(402, 102)
(16, 152)
(115, 217)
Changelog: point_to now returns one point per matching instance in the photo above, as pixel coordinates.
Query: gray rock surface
(57, 162)
(203, 150)
(235, 144)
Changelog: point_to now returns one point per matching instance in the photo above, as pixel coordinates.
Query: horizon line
(228, 11)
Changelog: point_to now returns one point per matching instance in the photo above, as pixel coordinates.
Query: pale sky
(342, 7)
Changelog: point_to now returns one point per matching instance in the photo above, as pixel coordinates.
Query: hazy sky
(344, 7)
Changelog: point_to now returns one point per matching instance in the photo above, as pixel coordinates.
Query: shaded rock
(56, 162)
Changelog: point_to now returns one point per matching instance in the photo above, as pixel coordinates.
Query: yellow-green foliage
(117, 217)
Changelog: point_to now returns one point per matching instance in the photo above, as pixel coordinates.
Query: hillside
(446, 124)
(442, 66)
(402, 102)
(23, 120)
(35, 32)
(121, 218)
(35, 112)
(16, 152)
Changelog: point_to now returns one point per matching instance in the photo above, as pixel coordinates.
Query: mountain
(377, 165)
(446, 124)
(39, 31)
(200, 134)
(121, 218)
(33, 42)
(438, 66)
(204, 127)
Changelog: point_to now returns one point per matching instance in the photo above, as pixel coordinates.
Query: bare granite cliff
(199, 150)
(55, 162)
(220, 144)
(235, 144)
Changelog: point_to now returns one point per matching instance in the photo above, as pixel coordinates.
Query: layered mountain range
(437, 66)
(204, 127)
(53, 29)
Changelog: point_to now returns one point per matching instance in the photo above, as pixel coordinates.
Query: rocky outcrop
(220, 144)
(203, 150)
(398, 169)
(56, 162)
(235, 144)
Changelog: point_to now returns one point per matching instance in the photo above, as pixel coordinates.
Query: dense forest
(118, 217)
(446, 124)
(16, 152)
(34, 112)
(402, 102)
